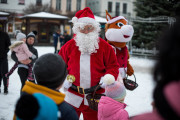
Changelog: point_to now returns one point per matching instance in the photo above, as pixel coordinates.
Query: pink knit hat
(114, 89)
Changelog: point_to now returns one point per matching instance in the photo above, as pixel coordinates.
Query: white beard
(87, 43)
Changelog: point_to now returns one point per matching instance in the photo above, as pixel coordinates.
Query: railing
(144, 52)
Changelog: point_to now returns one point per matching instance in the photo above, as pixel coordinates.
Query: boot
(5, 90)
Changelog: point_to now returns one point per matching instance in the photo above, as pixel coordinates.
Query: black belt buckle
(80, 89)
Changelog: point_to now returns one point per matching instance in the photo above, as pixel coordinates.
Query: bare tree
(33, 8)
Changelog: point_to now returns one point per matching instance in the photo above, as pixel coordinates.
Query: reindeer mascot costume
(118, 33)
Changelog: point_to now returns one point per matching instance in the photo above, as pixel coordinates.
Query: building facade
(68, 7)
(114, 7)
(15, 8)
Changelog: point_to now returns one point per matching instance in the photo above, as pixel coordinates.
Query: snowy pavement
(138, 101)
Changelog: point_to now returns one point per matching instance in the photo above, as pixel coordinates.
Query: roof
(44, 15)
(98, 19)
(4, 13)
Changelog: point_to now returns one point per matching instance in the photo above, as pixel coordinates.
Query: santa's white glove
(105, 80)
(67, 84)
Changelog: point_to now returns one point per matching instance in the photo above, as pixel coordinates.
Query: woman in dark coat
(22, 66)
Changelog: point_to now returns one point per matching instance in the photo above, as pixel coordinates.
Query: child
(49, 73)
(112, 105)
(36, 107)
(22, 53)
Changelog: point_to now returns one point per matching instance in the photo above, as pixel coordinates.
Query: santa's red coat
(100, 63)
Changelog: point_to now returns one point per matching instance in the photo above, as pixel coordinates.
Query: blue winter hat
(47, 109)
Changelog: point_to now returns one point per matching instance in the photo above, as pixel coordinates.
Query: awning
(4, 14)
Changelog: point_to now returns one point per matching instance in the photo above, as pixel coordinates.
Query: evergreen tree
(146, 34)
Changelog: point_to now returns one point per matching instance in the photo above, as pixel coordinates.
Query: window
(117, 9)
(68, 6)
(39, 2)
(124, 8)
(58, 4)
(109, 6)
(21, 2)
(3, 1)
(78, 7)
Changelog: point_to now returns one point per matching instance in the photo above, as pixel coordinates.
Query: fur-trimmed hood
(17, 43)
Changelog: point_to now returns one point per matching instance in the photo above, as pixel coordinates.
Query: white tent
(45, 15)
(4, 13)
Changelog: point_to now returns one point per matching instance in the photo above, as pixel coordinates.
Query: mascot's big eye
(119, 24)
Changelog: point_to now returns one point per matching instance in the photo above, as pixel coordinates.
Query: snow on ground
(138, 101)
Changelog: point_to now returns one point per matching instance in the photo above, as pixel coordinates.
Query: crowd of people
(62, 39)
(84, 63)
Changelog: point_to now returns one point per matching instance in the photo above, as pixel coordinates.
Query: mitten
(130, 70)
(33, 57)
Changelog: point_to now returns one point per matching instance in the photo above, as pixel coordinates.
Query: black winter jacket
(4, 44)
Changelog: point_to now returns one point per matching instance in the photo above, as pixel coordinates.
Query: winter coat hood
(31, 88)
(15, 44)
(111, 109)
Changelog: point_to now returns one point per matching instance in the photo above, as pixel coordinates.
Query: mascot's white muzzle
(120, 35)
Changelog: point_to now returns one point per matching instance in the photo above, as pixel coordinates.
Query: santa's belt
(84, 91)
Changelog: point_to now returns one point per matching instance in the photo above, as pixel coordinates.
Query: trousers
(88, 114)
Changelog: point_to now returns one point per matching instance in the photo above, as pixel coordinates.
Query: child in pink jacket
(111, 106)
(22, 53)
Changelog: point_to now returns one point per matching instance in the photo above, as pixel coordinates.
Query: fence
(144, 52)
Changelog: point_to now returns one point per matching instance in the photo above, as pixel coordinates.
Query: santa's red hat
(84, 16)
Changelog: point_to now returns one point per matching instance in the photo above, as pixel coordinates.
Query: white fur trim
(85, 74)
(86, 20)
(74, 20)
(115, 19)
(73, 99)
(108, 79)
(85, 100)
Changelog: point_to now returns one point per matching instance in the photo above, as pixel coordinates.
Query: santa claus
(89, 59)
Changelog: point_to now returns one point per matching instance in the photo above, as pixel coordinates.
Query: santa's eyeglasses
(87, 28)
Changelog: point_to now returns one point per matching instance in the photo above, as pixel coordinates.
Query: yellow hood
(31, 88)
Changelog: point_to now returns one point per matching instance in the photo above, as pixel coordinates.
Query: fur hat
(114, 89)
(36, 107)
(31, 34)
(20, 36)
(50, 70)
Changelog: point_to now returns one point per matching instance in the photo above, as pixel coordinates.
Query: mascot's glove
(130, 70)
(106, 78)
(68, 81)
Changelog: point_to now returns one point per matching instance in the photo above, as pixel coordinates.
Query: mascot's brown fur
(118, 33)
